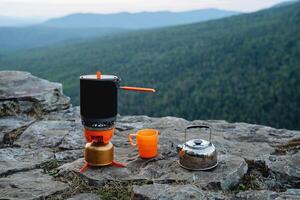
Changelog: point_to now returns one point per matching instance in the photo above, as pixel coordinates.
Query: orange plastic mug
(147, 142)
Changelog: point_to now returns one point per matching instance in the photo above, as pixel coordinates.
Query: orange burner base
(87, 165)
(104, 135)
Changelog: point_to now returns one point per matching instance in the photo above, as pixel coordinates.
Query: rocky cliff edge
(41, 151)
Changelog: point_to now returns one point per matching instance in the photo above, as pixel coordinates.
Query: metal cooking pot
(99, 100)
(197, 154)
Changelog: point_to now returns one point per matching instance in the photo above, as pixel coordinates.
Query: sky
(55, 8)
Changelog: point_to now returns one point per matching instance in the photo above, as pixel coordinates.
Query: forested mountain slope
(20, 38)
(243, 68)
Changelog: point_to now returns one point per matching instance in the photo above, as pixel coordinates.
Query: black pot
(99, 100)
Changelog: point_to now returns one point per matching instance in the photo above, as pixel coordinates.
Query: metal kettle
(197, 154)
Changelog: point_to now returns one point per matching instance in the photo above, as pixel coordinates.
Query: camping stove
(98, 110)
(99, 151)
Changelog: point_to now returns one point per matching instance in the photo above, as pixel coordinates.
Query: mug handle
(131, 140)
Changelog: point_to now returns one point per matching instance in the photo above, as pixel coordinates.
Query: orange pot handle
(137, 89)
(131, 140)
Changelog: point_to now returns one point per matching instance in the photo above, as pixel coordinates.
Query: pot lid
(197, 144)
(103, 77)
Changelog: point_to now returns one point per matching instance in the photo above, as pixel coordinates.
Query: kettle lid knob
(197, 142)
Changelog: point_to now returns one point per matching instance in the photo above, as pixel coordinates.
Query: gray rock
(290, 194)
(75, 138)
(20, 159)
(164, 192)
(238, 138)
(23, 93)
(63, 134)
(70, 114)
(233, 141)
(261, 134)
(165, 170)
(125, 123)
(173, 123)
(167, 192)
(257, 195)
(45, 134)
(12, 127)
(289, 164)
(29, 185)
(69, 155)
(85, 196)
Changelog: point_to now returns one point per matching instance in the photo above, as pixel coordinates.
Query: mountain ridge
(29, 37)
(138, 20)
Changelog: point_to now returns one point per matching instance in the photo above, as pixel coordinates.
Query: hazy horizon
(45, 9)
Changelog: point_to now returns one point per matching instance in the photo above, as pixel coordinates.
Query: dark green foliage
(244, 68)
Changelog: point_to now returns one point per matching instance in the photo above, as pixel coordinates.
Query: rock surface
(21, 92)
(21, 159)
(11, 127)
(41, 152)
(29, 185)
(85, 196)
(290, 194)
(166, 170)
(49, 133)
(167, 192)
(174, 192)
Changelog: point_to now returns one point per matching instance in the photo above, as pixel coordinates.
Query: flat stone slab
(290, 194)
(167, 192)
(85, 196)
(20, 159)
(166, 170)
(69, 155)
(44, 134)
(48, 133)
(174, 192)
(23, 93)
(29, 185)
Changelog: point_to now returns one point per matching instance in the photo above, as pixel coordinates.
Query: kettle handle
(197, 126)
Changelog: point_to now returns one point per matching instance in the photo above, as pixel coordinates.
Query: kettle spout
(179, 147)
